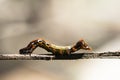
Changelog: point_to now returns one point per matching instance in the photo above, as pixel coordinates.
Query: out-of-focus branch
(74, 56)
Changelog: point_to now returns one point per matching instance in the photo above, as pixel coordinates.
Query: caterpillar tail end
(24, 51)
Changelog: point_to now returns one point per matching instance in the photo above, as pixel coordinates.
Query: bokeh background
(62, 22)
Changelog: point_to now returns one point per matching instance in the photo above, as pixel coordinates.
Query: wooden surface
(74, 56)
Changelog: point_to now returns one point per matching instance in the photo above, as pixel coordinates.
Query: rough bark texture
(74, 56)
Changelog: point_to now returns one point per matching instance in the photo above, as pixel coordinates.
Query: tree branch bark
(74, 56)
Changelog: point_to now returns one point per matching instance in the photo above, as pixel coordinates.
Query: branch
(105, 55)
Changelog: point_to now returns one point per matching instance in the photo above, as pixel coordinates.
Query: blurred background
(62, 22)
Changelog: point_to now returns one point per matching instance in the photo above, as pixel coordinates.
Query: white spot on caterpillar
(39, 40)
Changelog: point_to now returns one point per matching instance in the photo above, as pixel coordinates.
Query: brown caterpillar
(81, 44)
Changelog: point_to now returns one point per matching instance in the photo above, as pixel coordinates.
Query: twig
(74, 56)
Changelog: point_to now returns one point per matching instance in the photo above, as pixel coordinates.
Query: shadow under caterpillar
(81, 44)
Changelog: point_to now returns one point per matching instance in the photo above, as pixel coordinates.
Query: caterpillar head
(82, 45)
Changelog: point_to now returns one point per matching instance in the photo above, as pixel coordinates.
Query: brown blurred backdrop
(62, 22)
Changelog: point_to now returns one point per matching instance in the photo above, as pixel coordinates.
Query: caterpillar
(81, 44)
